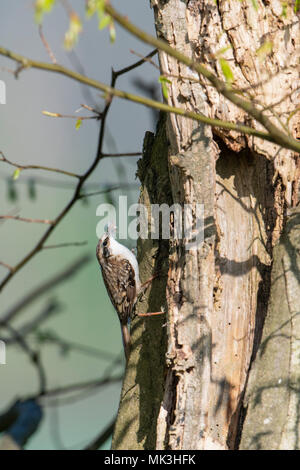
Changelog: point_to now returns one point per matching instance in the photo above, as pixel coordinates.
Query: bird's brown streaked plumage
(120, 272)
(121, 279)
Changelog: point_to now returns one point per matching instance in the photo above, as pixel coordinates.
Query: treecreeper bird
(120, 271)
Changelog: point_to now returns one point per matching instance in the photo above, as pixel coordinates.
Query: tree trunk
(273, 394)
(186, 380)
(143, 385)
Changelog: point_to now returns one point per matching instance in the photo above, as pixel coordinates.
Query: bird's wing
(119, 279)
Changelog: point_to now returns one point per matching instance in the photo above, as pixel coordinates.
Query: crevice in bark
(242, 413)
(252, 177)
(172, 407)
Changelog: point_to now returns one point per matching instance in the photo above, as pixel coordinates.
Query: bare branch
(7, 266)
(63, 245)
(107, 190)
(83, 178)
(285, 97)
(24, 219)
(91, 384)
(147, 58)
(33, 355)
(52, 307)
(120, 72)
(273, 135)
(130, 154)
(103, 436)
(71, 116)
(36, 167)
(66, 185)
(47, 47)
(63, 276)
(52, 338)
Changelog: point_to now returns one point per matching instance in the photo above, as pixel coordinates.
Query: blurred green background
(86, 316)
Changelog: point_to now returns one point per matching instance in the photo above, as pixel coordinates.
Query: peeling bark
(204, 28)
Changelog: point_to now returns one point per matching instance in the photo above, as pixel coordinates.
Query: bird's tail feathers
(126, 339)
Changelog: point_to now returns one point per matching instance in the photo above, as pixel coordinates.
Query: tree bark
(273, 394)
(185, 382)
(143, 385)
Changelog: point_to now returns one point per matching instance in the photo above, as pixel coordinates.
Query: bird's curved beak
(111, 229)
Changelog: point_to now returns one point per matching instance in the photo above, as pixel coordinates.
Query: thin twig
(36, 167)
(33, 355)
(137, 64)
(82, 386)
(47, 47)
(57, 279)
(83, 178)
(24, 219)
(90, 108)
(52, 307)
(273, 135)
(103, 436)
(7, 266)
(12, 212)
(277, 103)
(64, 245)
(71, 116)
(107, 190)
(129, 154)
(265, 80)
(60, 185)
(52, 338)
(91, 384)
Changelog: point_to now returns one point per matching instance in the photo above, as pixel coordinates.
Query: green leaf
(162, 79)
(227, 72)
(112, 32)
(100, 5)
(41, 7)
(90, 8)
(75, 28)
(297, 6)
(165, 90)
(94, 5)
(16, 174)
(264, 50)
(164, 85)
(78, 124)
(104, 21)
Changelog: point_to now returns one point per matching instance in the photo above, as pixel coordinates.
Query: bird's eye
(105, 242)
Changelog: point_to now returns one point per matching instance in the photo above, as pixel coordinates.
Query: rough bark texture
(213, 26)
(143, 385)
(273, 393)
(216, 295)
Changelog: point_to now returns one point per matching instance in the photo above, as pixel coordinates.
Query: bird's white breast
(117, 249)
